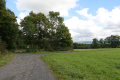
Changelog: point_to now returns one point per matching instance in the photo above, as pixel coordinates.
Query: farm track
(26, 67)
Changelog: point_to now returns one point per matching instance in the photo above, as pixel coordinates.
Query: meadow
(85, 64)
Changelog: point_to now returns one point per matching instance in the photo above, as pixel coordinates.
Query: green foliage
(20, 40)
(3, 46)
(6, 58)
(118, 46)
(95, 43)
(2, 11)
(95, 65)
(113, 40)
(81, 46)
(101, 43)
(8, 26)
(63, 37)
(45, 33)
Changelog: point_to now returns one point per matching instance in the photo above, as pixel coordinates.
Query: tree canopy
(8, 26)
(48, 33)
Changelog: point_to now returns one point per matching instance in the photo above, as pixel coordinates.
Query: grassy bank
(5, 59)
(95, 65)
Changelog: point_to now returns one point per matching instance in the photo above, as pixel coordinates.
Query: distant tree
(113, 40)
(95, 43)
(81, 46)
(101, 43)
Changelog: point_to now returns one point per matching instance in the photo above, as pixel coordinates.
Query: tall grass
(96, 65)
(5, 58)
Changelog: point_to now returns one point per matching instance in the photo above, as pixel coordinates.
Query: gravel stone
(26, 67)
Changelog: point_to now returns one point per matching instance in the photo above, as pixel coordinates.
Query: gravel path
(26, 67)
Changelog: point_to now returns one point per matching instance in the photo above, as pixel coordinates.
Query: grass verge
(43, 52)
(96, 65)
(99, 49)
(5, 59)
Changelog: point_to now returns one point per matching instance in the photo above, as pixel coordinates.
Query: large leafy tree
(29, 30)
(63, 37)
(42, 25)
(2, 11)
(8, 26)
(59, 33)
(35, 28)
(46, 33)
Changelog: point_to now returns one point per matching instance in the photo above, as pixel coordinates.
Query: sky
(85, 19)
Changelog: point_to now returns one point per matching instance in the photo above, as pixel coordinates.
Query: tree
(2, 11)
(95, 43)
(113, 40)
(59, 33)
(63, 36)
(20, 40)
(46, 33)
(3, 46)
(8, 26)
(29, 31)
(42, 25)
(101, 43)
(35, 28)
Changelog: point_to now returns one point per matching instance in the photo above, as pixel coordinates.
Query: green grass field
(5, 59)
(98, 64)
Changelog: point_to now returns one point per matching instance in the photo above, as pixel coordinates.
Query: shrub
(3, 46)
(118, 46)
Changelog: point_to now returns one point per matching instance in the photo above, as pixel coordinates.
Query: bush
(118, 46)
(3, 46)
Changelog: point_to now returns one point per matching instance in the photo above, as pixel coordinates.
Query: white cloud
(18, 21)
(84, 13)
(104, 24)
(23, 14)
(45, 6)
(109, 18)
(82, 30)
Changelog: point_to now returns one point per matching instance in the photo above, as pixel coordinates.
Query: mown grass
(96, 65)
(5, 59)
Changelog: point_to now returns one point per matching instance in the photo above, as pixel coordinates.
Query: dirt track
(26, 67)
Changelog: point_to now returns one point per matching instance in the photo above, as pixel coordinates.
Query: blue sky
(86, 19)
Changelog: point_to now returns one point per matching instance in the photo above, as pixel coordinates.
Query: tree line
(8, 28)
(39, 31)
(112, 41)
